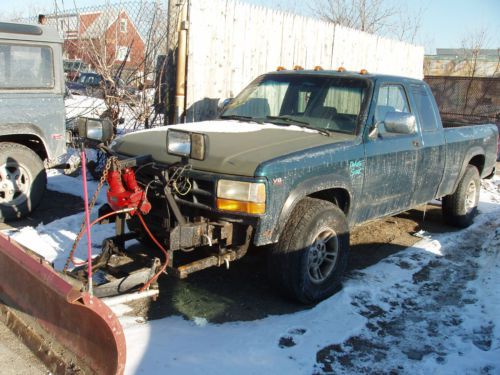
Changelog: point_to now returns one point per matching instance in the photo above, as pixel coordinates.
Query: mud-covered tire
(308, 261)
(460, 208)
(23, 181)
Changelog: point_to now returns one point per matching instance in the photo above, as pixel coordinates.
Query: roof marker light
(341, 69)
(280, 68)
(317, 68)
(298, 67)
(363, 71)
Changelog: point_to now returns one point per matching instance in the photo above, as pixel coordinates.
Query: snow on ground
(86, 106)
(433, 308)
(80, 105)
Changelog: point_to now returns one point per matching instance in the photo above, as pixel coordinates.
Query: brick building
(101, 37)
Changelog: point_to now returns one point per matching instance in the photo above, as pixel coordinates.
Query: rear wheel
(460, 208)
(22, 180)
(308, 261)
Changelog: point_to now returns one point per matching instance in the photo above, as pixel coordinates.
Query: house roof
(95, 27)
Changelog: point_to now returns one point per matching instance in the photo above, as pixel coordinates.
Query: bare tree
(374, 16)
(126, 63)
(470, 51)
(408, 24)
(470, 66)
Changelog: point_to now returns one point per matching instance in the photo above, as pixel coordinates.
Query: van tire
(18, 162)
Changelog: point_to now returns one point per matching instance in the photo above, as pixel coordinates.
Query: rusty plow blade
(69, 330)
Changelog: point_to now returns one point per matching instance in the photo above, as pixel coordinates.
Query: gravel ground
(15, 358)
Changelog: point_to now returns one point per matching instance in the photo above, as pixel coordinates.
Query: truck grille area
(191, 189)
(201, 193)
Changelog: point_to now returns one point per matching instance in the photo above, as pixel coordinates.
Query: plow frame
(69, 330)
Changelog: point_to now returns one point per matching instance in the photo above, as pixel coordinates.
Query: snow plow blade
(71, 331)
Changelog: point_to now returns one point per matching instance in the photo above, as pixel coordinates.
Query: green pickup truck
(295, 161)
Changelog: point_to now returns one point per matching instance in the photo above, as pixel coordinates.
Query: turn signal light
(239, 206)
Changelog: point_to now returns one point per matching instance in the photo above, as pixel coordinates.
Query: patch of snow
(234, 126)
(57, 181)
(86, 106)
(431, 308)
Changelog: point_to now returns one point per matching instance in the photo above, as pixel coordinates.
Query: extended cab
(295, 161)
(32, 121)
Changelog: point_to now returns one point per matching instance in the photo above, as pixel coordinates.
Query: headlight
(248, 197)
(95, 129)
(186, 144)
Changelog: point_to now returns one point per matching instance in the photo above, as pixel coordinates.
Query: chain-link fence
(115, 52)
(467, 99)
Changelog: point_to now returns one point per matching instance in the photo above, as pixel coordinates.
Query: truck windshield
(324, 103)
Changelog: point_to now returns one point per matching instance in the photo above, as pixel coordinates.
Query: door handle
(415, 143)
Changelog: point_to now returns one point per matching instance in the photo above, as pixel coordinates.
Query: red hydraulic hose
(77, 263)
(164, 267)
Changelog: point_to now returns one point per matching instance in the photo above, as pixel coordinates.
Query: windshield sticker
(357, 167)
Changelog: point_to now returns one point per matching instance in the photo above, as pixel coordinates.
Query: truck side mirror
(400, 123)
(223, 104)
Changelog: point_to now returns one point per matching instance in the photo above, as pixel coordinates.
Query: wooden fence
(230, 43)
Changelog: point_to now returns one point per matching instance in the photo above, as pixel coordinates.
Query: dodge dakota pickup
(294, 161)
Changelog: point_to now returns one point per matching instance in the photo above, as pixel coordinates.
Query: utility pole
(174, 11)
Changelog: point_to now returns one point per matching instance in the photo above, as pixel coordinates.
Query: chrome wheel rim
(470, 196)
(15, 182)
(322, 255)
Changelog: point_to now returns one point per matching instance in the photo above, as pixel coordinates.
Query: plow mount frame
(79, 331)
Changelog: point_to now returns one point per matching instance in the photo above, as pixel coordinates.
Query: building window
(123, 25)
(121, 53)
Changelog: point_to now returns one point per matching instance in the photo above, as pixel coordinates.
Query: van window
(26, 67)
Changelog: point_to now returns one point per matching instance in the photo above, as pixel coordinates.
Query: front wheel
(460, 208)
(22, 180)
(308, 261)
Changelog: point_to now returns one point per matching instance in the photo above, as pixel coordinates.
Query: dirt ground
(242, 292)
(16, 359)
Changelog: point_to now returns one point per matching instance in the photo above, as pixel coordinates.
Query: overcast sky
(444, 23)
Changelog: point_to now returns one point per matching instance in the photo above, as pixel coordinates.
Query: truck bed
(463, 143)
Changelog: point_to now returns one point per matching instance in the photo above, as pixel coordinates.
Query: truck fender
(308, 187)
(471, 153)
(20, 129)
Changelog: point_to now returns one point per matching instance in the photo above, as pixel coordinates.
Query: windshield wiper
(301, 124)
(240, 118)
(288, 119)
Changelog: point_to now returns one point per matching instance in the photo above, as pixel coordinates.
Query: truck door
(391, 159)
(431, 157)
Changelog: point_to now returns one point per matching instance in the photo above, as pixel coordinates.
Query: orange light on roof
(363, 71)
(280, 68)
(317, 68)
(341, 69)
(239, 206)
(298, 67)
